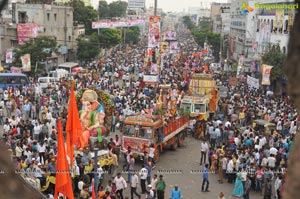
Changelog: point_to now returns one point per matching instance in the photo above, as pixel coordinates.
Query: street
(182, 167)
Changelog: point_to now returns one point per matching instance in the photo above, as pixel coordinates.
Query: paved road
(177, 167)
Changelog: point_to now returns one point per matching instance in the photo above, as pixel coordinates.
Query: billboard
(154, 32)
(117, 24)
(27, 31)
(136, 3)
(169, 35)
(26, 63)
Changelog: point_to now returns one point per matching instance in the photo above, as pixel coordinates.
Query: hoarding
(136, 3)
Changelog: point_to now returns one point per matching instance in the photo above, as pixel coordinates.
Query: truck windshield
(186, 106)
(200, 108)
(134, 131)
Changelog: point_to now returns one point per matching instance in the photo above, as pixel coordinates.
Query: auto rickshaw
(263, 126)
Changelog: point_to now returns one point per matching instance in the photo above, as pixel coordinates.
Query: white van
(59, 73)
(46, 82)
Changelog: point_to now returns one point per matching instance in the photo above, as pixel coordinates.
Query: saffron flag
(63, 182)
(73, 128)
(93, 190)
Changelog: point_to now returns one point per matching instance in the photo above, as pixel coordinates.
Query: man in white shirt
(229, 170)
(143, 175)
(204, 149)
(120, 184)
(133, 185)
(271, 161)
(154, 184)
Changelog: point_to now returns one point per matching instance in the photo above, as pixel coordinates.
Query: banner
(279, 18)
(174, 47)
(9, 56)
(136, 4)
(26, 64)
(252, 82)
(154, 32)
(15, 70)
(27, 31)
(164, 47)
(169, 35)
(118, 24)
(266, 73)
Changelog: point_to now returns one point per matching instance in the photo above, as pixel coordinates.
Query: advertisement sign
(252, 82)
(118, 24)
(26, 63)
(154, 32)
(27, 31)
(150, 79)
(9, 56)
(15, 70)
(266, 73)
(137, 144)
(169, 35)
(136, 3)
(174, 47)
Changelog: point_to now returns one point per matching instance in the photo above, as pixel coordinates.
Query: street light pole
(96, 180)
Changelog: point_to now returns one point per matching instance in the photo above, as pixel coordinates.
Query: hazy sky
(177, 5)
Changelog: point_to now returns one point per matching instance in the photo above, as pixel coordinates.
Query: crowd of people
(249, 158)
(253, 159)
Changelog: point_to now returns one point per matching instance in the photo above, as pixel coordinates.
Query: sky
(177, 5)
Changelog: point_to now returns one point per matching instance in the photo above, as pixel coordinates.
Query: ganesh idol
(91, 117)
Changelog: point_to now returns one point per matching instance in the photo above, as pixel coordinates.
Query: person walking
(205, 179)
(133, 185)
(268, 189)
(175, 193)
(120, 185)
(154, 185)
(143, 175)
(247, 188)
(204, 149)
(161, 186)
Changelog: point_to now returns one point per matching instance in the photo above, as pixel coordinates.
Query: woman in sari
(238, 186)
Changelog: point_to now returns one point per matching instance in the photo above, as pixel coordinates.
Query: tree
(103, 10)
(84, 15)
(109, 37)
(211, 38)
(274, 57)
(118, 9)
(205, 24)
(39, 49)
(187, 21)
(88, 48)
(132, 34)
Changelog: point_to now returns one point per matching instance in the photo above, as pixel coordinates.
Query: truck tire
(175, 143)
(180, 139)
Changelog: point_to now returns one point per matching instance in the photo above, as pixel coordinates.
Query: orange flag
(63, 182)
(73, 128)
(93, 190)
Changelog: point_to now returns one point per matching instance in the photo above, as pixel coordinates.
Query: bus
(69, 66)
(13, 79)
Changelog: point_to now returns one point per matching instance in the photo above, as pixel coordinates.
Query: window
(54, 17)
(272, 25)
(3, 80)
(48, 16)
(23, 18)
(286, 26)
(129, 130)
(70, 38)
(258, 25)
(284, 49)
(23, 80)
(200, 108)
(186, 106)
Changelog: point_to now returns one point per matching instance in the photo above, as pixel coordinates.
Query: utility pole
(155, 7)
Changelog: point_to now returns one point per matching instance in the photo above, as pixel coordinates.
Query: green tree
(109, 37)
(88, 48)
(205, 24)
(187, 21)
(103, 10)
(39, 49)
(274, 57)
(212, 39)
(84, 15)
(132, 35)
(118, 9)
